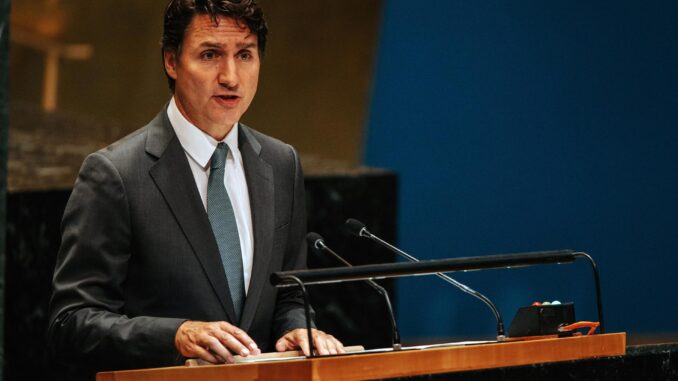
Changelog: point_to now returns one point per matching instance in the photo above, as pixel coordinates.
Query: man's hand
(215, 342)
(324, 344)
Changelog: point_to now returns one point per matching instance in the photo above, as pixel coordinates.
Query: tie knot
(219, 156)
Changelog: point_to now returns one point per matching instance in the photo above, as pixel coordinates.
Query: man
(171, 233)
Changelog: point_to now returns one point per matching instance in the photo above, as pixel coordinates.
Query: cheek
(196, 78)
(253, 83)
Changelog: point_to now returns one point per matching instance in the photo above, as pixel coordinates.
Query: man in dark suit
(171, 233)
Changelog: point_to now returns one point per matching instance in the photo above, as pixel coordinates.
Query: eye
(245, 55)
(208, 55)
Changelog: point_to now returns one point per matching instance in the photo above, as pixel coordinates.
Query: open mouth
(228, 97)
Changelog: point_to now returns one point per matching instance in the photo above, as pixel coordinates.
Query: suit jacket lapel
(259, 175)
(173, 177)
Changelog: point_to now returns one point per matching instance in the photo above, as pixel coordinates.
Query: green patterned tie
(222, 219)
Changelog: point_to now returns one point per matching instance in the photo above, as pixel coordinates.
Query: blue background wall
(530, 125)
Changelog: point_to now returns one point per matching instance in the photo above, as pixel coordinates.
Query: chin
(224, 121)
(229, 117)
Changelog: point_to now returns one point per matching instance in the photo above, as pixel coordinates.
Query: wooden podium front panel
(287, 370)
(474, 357)
(394, 364)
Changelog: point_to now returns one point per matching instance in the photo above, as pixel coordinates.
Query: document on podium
(349, 350)
(271, 356)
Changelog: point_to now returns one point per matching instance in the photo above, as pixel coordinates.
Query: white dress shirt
(199, 148)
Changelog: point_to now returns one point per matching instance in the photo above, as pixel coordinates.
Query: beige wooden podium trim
(394, 364)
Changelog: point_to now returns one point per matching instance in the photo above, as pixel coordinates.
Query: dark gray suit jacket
(138, 256)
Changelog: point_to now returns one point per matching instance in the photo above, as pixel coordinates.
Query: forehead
(203, 28)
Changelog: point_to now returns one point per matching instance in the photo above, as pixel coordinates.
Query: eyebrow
(246, 45)
(216, 45)
(208, 44)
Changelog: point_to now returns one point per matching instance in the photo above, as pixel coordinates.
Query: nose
(228, 74)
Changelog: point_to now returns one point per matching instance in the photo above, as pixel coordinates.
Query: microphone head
(355, 227)
(314, 239)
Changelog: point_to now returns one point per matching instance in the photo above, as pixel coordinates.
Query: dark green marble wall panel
(4, 121)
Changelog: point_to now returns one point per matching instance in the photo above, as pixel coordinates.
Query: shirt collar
(199, 145)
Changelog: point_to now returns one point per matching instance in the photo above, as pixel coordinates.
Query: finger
(283, 345)
(204, 354)
(233, 344)
(331, 344)
(320, 343)
(219, 359)
(334, 345)
(216, 348)
(244, 339)
(339, 345)
(301, 341)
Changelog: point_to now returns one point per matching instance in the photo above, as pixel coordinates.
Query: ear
(170, 58)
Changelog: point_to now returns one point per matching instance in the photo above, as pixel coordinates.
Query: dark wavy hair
(179, 14)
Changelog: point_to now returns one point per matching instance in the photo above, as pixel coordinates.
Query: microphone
(317, 242)
(357, 228)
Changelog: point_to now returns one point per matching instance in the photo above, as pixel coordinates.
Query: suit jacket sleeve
(87, 313)
(289, 313)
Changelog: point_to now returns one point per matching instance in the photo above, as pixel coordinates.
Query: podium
(362, 366)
